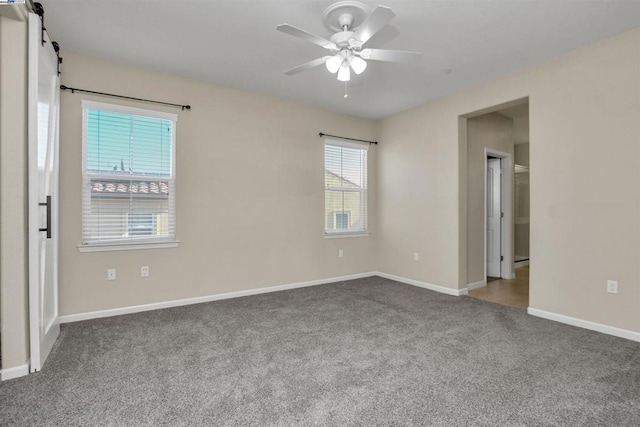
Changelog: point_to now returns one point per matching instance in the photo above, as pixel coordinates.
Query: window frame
(127, 243)
(363, 191)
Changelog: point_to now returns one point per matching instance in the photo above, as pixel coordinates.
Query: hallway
(513, 293)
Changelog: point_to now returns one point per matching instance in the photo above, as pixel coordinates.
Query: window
(342, 220)
(141, 224)
(128, 183)
(345, 183)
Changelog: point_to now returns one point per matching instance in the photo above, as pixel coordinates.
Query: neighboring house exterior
(342, 209)
(112, 199)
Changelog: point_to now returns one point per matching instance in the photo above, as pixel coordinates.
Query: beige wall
(13, 193)
(521, 153)
(585, 207)
(417, 209)
(250, 204)
(493, 131)
(585, 210)
(521, 130)
(246, 161)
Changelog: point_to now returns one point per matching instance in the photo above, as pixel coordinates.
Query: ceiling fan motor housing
(345, 20)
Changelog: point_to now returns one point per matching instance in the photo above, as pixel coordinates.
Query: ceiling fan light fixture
(334, 63)
(344, 75)
(358, 65)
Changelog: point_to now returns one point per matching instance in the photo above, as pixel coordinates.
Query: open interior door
(44, 100)
(494, 217)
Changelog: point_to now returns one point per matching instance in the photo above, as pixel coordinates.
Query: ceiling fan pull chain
(346, 95)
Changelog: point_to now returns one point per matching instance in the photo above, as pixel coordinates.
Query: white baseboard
(519, 264)
(476, 285)
(437, 288)
(15, 372)
(207, 298)
(598, 327)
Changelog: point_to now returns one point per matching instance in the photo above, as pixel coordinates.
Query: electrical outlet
(144, 271)
(340, 253)
(111, 274)
(612, 286)
(416, 256)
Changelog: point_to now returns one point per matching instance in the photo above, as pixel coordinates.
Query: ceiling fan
(353, 28)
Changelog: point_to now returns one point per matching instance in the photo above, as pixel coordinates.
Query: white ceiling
(235, 43)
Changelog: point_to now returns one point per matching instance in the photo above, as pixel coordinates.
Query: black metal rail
(349, 139)
(93, 92)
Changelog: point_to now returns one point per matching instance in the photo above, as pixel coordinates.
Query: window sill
(127, 246)
(345, 235)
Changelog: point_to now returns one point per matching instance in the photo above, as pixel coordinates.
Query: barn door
(44, 95)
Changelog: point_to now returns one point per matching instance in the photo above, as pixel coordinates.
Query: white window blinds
(128, 183)
(345, 183)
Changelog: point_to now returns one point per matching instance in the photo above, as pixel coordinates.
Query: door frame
(506, 225)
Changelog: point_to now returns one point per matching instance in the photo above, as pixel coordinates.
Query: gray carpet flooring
(362, 352)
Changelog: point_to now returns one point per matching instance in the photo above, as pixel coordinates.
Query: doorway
(497, 200)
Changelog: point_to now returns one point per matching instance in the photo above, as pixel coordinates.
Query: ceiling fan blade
(297, 32)
(307, 65)
(374, 22)
(391, 55)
